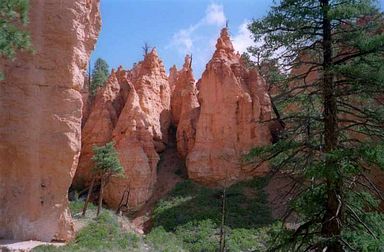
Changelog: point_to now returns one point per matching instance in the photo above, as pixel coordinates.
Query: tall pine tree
(331, 106)
(107, 164)
(99, 75)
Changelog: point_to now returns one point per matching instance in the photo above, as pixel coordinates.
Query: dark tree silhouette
(333, 54)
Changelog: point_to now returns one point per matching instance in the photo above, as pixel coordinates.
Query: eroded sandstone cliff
(40, 117)
(97, 130)
(185, 108)
(133, 110)
(233, 101)
(214, 121)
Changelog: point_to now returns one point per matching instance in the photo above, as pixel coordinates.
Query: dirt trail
(171, 170)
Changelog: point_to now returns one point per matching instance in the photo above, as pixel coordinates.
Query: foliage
(102, 234)
(162, 240)
(190, 218)
(332, 52)
(106, 160)
(246, 59)
(76, 206)
(13, 18)
(242, 239)
(99, 75)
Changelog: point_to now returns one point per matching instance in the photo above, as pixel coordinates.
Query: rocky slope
(40, 117)
(232, 100)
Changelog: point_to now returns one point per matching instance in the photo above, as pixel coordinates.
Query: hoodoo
(104, 113)
(40, 115)
(133, 110)
(152, 87)
(185, 108)
(233, 104)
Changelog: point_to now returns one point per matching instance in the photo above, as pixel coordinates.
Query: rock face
(152, 87)
(87, 101)
(179, 81)
(233, 100)
(172, 79)
(135, 144)
(40, 118)
(185, 108)
(102, 119)
(133, 110)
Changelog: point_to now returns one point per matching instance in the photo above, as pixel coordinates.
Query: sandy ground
(23, 246)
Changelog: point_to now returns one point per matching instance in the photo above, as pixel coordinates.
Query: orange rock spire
(232, 102)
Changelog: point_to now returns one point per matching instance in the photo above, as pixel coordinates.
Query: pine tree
(13, 18)
(333, 52)
(99, 75)
(107, 164)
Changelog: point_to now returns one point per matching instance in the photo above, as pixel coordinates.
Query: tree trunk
(89, 195)
(222, 230)
(332, 219)
(99, 206)
(123, 201)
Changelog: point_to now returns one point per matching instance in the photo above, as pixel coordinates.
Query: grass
(76, 207)
(189, 218)
(103, 233)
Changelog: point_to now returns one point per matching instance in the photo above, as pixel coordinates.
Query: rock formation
(133, 110)
(102, 119)
(172, 79)
(185, 108)
(213, 128)
(40, 117)
(135, 144)
(233, 100)
(152, 87)
(87, 101)
(179, 80)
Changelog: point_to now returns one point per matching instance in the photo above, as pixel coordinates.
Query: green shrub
(248, 239)
(190, 216)
(161, 240)
(192, 202)
(199, 235)
(76, 207)
(102, 234)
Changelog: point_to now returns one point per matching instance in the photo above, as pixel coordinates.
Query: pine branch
(357, 218)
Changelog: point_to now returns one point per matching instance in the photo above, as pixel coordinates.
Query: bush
(190, 218)
(199, 235)
(248, 239)
(161, 240)
(102, 234)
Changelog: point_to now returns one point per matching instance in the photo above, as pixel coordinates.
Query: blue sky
(174, 27)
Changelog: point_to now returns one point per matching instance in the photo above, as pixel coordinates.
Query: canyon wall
(40, 120)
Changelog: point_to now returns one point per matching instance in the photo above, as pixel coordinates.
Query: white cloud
(243, 39)
(214, 15)
(184, 39)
